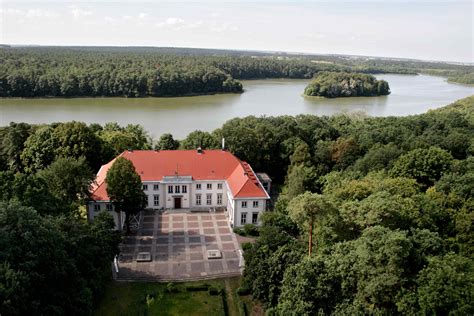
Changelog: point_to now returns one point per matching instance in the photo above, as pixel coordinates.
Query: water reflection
(410, 95)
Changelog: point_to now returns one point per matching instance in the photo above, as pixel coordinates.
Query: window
(254, 218)
(219, 186)
(176, 189)
(146, 199)
(243, 218)
(156, 187)
(209, 186)
(170, 189)
(255, 204)
(198, 186)
(109, 207)
(145, 187)
(209, 198)
(156, 200)
(184, 189)
(244, 204)
(219, 198)
(198, 199)
(97, 207)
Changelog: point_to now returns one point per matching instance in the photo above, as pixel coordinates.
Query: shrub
(149, 300)
(250, 230)
(239, 231)
(242, 308)
(196, 288)
(214, 291)
(171, 288)
(243, 290)
(246, 246)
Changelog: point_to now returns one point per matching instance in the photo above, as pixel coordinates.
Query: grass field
(161, 299)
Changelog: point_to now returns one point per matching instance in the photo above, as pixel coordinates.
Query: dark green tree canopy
(424, 165)
(344, 84)
(124, 188)
(46, 266)
(167, 142)
(201, 139)
(68, 179)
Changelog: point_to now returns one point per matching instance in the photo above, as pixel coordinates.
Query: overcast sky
(434, 30)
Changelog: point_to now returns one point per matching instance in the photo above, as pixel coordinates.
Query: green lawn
(156, 299)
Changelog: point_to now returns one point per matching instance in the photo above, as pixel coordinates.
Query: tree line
(388, 202)
(141, 72)
(344, 84)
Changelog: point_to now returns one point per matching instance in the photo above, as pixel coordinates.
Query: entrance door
(177, 202)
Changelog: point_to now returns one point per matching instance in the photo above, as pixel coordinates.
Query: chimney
(223, 143)
(199, 150)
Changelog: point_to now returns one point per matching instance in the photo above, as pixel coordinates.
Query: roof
(154, 165)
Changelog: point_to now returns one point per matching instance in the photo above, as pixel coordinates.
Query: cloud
(110, 20)
(224, 27)
(29, 14)
(79, 13)
(172, 22)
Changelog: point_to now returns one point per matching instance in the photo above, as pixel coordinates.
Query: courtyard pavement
(178, 243)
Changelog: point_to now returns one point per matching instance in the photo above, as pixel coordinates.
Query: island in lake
(346, 84)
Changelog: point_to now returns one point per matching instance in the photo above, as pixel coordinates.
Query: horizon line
(250, 50)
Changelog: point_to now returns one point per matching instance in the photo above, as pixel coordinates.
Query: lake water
(179, 116)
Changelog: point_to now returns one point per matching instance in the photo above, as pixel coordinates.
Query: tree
(305, 209)
(378, 158)
(117, 139)
(299, 180)
(12, 144)
(30, 190)
(124, 188)
(199, 139)
(446, 286)
(69, 180)
(39, 149)
(344, 84)
(167, 142)
(424, 165)
(46, 266)
(308, 288)
(76, 139)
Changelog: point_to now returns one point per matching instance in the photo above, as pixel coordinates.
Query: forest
(373, 216)
(165, 72)
(344, 84)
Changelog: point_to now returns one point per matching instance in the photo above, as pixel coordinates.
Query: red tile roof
(209, 165)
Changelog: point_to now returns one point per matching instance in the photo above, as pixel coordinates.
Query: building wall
(214, 191)
(92, 212)
(249, 210)
(151, 192)
(188, 200)
(169, 201)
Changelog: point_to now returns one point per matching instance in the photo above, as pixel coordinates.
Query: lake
(179, 116)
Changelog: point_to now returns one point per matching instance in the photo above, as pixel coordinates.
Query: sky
(421, 29)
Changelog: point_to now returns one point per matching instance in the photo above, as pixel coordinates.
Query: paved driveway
(178, 243)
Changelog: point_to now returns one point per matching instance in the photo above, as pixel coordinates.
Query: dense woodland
(141, 71)
(388, 202)
(345, 84)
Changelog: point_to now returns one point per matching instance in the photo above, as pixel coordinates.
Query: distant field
(157, 299)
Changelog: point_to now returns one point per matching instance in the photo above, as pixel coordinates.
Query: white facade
(185, 193)
(94, 208)
(207, 180)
